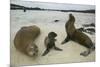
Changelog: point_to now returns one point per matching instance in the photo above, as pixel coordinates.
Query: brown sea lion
(50, 43)
(77, 36)
(24, 40)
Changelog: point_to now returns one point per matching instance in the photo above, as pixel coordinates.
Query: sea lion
(77, 36)
(50, 43)
(24, 40)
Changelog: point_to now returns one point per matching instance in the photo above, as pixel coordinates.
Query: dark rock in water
(24, 10)
(91, 29)
(92, 24)
(88, 30)
(81, 29)
(56, 20)
(87, 25)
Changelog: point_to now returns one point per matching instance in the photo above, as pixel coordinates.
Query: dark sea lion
(77, 36)
(24, 40)
(50, 43)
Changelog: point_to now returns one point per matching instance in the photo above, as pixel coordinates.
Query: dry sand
(45, 20)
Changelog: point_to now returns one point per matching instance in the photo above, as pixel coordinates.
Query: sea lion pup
(50, 43)
(24, 40)
(77, 36)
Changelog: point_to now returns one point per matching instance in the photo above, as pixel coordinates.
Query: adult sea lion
(50, 43)
(24, 40)
(77, 36)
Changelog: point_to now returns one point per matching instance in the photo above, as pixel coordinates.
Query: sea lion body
(82, 39)
(48, 40)
(69, 26)
(50, 43)
(77, 36)
(24, 40)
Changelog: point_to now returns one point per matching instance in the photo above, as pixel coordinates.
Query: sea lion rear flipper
(66, 40)
(56, 48)
(45, 52)
(85, 53)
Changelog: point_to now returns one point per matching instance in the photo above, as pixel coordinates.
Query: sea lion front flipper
(56, 48)
(66, 40)
(45, 52)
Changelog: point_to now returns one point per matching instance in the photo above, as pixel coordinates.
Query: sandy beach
(45, 20)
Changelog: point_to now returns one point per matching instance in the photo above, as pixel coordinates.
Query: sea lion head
(32, 49)
(70, 15)
(71, 18)
(52, 34)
